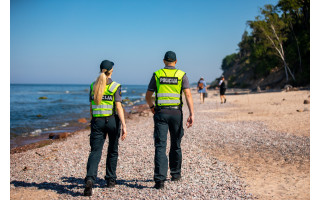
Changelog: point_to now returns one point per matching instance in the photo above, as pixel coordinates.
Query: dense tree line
(280, 38)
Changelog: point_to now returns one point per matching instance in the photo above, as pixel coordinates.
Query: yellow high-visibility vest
(107, 106)
(169, 87)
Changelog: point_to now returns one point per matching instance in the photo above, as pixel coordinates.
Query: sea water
(59, 111)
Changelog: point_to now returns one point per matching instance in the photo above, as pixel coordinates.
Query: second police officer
(107, 116)
(168, 84)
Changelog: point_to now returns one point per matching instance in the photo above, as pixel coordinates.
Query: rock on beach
(58, 135)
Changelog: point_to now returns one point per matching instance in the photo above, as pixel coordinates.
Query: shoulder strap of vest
(179, 74)
(164, 72)
(158, 73)
(113, 87)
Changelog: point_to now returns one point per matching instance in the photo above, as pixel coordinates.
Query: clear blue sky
(64, 41)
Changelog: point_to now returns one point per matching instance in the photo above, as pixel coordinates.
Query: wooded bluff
(277, 50)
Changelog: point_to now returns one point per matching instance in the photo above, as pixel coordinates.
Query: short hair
(167, 62)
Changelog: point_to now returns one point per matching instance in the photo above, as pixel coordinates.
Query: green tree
(229, 61)
(274, 31)
(280, 36)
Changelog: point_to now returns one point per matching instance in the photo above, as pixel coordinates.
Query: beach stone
(43, 97)
(126, 99)
(306, 101)
(300, 110)
(295, 89)
(58, 135)
(82, 120)
(133, 112)
(144, 113)
(258, 89)
(26, 168)
(51, 135)
(250, 112)
(287, 87)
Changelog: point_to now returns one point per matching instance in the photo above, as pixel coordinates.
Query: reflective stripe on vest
(106, 107)
(113, 86)
(168, 95)
(168, 101)
(169, 87)
(102, 106)
(102, 112)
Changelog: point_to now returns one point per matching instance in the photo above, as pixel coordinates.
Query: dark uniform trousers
(165, 120)
(100, 127)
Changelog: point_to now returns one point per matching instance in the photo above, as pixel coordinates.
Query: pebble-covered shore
(61, 167)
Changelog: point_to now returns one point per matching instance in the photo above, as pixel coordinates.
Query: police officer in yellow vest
(168, 84)
(107, 117)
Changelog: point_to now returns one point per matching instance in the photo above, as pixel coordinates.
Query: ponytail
(99, 86)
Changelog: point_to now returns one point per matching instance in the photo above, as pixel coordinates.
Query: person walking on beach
(168, 84)
(202, 89)
(107, 117)
(223, 89)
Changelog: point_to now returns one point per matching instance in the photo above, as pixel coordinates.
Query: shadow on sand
(77, 183)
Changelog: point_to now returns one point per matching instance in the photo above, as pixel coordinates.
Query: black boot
(176, 178)
(111, 183)
(159, 184)
(88, 188)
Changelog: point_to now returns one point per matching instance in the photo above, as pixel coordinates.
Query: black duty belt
(169, 107)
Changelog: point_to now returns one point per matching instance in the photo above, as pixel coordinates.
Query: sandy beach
(255, 146)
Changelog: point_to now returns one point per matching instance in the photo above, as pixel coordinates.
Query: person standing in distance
(106, 119)
(202, 89)
(223, 89)
(168, 84)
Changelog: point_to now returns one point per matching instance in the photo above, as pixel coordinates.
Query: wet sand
(227, 154)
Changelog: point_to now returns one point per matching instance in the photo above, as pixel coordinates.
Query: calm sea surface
(65, 104)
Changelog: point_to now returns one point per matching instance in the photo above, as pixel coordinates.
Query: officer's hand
(124, 133)
(190, 121)
(152, 110)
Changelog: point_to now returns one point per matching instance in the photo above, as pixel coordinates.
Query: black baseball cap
(106, 64)
(170, 56)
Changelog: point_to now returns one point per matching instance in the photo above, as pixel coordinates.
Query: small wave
(36, 132)
(48, 92)
(136, 101)
(57, 101)
(67, 91)
(123, 91)
(47, 129)
(65, 124)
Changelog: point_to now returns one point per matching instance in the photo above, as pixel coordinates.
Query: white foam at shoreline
(36, 132)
